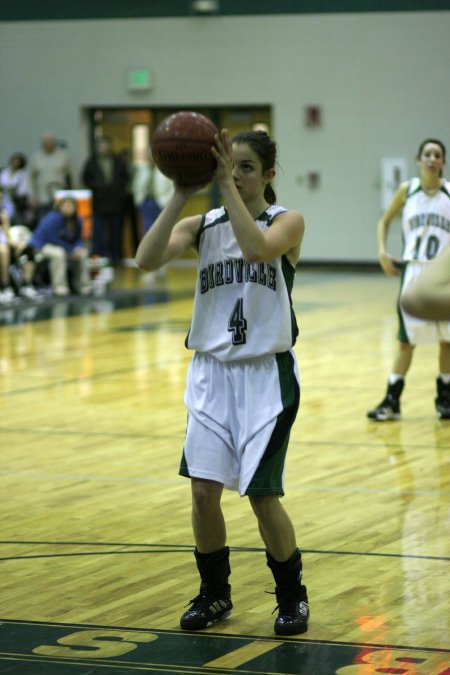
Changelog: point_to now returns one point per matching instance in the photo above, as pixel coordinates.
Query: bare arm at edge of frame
(428, 296)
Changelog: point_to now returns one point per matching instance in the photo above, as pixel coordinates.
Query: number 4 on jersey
(237, 323)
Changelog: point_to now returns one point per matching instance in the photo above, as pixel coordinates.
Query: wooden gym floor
(96, 543)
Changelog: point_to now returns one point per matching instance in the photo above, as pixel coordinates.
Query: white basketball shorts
(240, 414)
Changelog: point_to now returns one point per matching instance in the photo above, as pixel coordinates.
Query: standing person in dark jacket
(107, 176)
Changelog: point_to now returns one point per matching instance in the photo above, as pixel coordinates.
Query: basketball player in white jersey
(425, 202)
(242, 391)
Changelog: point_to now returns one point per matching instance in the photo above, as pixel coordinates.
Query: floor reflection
(23, 311)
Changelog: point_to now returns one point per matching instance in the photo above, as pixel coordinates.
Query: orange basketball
(181, 148)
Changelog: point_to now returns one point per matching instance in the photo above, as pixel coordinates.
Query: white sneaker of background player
(28, 292)
(7, 295)
(149, 278)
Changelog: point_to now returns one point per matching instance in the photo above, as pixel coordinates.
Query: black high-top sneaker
(442, 400)
(213, 603)
(292, 597)
(389, 408)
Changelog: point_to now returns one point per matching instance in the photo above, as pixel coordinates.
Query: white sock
(395, 377)
(445, 377)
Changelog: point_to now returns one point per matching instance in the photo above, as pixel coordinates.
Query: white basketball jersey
(241, 310)
(426, 222)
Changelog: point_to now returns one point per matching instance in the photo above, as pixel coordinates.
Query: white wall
(381, 80)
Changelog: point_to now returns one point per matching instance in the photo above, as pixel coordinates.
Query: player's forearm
(151, 250)
(249, 237)
(382, 231)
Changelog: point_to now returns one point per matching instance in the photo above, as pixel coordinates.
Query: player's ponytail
(269, 194)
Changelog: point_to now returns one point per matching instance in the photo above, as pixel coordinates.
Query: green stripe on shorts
(268, 477)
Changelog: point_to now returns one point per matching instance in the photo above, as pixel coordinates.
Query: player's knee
(205, 496)
(56, 253)
(406, 346)
(263, 505)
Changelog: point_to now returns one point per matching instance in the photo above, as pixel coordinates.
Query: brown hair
(266, 149)
(431, 140)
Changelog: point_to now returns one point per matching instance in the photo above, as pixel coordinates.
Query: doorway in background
(131, 131)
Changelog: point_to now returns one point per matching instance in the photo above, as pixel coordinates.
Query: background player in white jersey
(425, 202)
(242, 390)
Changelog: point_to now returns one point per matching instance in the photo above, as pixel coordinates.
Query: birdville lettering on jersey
(237, 271)
(430, 219)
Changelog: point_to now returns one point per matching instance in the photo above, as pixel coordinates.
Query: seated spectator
(57, 239)
(6, 292)
(14, 183)
(22, 268)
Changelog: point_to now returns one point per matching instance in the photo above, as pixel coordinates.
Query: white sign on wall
(394, 171)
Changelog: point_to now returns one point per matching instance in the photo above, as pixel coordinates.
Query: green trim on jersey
(268, 477)
(419, 188)
(199, 233)
(222, 219)
(410, 192)
(402, 335)
(203, 227)
(183, 470)
(265, 217)
(289, 275)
